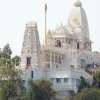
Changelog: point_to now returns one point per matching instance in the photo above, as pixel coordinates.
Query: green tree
(83, 84)
(10, 82)
(88, 94)
(9, 76)
(16, 60)
(7, 51)
(41, 90)
(96, 79)
(8, 70)
(8, 90)
(23, 95)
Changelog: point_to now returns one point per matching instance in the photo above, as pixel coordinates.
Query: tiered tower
(31, 46)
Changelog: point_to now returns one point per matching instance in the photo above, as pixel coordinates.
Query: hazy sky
(14, 14)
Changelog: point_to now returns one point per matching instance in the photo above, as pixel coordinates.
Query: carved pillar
(51, 60)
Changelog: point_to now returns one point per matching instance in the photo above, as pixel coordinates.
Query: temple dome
(61, 29)
(78, 3)
(77, 21)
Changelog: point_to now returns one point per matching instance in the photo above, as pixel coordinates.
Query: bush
(88, 94)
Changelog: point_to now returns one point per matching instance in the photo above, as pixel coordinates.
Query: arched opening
(78, 45)
(58, 43)
(28, 61)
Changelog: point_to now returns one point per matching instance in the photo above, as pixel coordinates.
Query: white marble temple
(64, 56)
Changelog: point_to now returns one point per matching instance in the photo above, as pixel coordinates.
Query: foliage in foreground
(88, 94)
(96, 79)
(92, 92)
(9, 76)
(10, 81)
(83, 84)
(40, 90)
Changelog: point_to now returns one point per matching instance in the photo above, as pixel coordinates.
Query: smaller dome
(78, 3)
(61, 29)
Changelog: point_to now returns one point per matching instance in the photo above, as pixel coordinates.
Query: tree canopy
(7, 51)
(9, 75)
(40, 90)
(83, 84)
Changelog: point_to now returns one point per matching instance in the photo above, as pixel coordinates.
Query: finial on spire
(78, 3)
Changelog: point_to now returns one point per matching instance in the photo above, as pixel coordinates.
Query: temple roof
(60, 31)
(31, 24)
